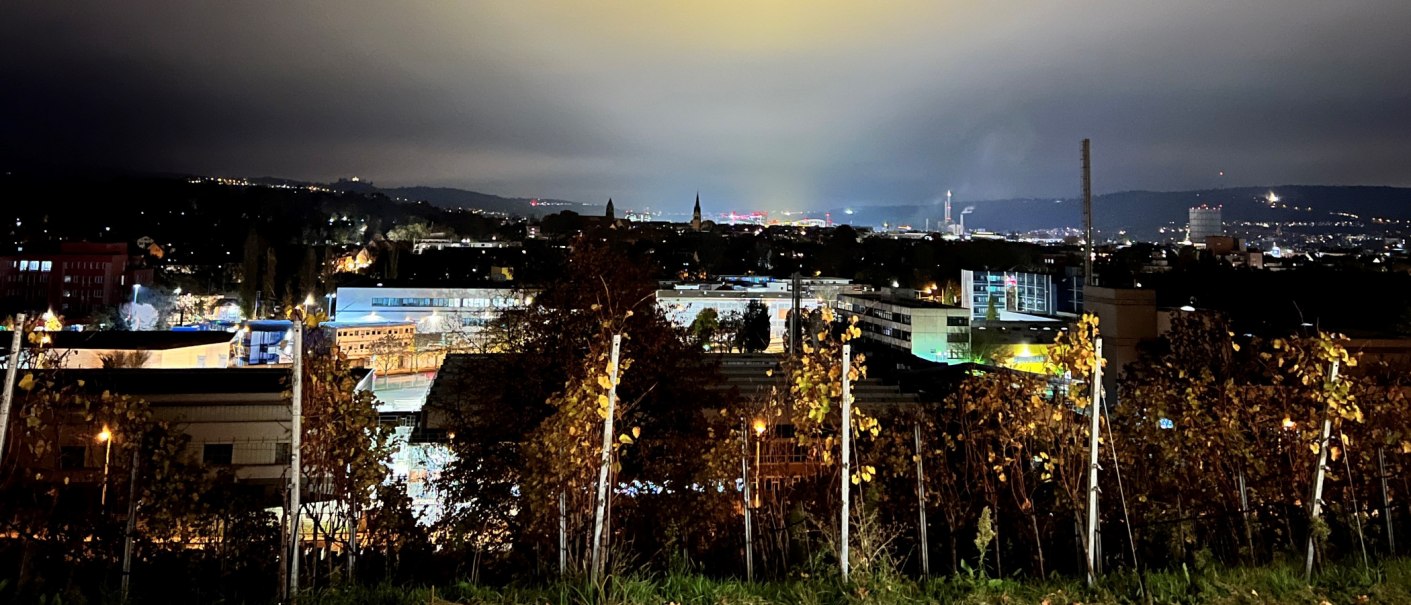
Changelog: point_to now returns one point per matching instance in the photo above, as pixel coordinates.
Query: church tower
(610, 212)
(696, 214)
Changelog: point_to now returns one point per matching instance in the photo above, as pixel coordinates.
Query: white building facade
(433, 310)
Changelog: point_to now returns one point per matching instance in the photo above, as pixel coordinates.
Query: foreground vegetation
(1386, 582)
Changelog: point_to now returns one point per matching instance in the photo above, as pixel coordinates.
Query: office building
(733, 294)
(1015, 295)
(896, 318)
(1204, 222)
(432, 310)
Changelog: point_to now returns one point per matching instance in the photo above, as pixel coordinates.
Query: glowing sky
(764, 104)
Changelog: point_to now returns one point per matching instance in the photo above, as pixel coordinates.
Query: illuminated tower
(696, 215)
(947, 224)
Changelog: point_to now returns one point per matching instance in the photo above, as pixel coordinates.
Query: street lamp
(180, 307)
(759, 427)
(106, 437)
(133, 311)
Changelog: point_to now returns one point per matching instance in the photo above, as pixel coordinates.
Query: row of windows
(32, 265)
(377, 332)
(446, 303)
(896, 333)
(83, 280)
(76, 457)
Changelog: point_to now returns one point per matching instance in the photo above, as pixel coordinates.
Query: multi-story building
(896, 318)
(1015, 295)
(733, 294)
(431, 310)
(1204, 222)
(385, 346)
(75, 281)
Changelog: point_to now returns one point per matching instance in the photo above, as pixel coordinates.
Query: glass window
(217, 453)
(73, 457)
(282, 453)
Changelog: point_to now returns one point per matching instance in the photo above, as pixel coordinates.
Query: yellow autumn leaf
(27, 383)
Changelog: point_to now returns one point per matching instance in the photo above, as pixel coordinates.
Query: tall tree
(250, 273)
(754, 334)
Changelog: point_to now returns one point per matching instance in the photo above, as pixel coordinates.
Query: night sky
(762, 104)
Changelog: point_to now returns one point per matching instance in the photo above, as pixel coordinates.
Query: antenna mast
(1088, 215)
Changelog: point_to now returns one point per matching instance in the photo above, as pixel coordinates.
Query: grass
(1386, 582)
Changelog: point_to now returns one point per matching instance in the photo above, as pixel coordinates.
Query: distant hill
(1141, 213)
(449, 197)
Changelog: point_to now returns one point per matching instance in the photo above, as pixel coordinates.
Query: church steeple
(696, 214)
(610, 213)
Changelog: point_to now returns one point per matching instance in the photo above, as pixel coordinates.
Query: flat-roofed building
(170, 350)
(237, 419)
(897, 318)
(431, 310)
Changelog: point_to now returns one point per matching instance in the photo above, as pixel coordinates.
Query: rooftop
(910, 303)
(144, 381)
(138, 341)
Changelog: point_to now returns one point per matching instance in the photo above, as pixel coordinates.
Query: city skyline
(772, 107)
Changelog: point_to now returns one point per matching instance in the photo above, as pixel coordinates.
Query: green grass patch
(1387, 582)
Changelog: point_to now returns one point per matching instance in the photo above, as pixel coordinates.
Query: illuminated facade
(930, 330)
(1015, 294)
(77, 280)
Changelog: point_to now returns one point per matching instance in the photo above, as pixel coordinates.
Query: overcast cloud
(759, 105)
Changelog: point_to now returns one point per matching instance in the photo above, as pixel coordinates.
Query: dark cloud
(759, 105)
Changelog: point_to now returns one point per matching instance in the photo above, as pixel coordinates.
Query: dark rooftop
(910, 303)
(144, 381)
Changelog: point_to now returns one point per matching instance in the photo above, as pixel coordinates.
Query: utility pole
(797, 287)
(563, 536)
(745, 480)
(131, 525)
(1095, 413)
(1318, 474)
(1386, 501)
(605, 467)
(10, 369)
(847, 457)
(296, 403)
(921, 507)
(1088, 277)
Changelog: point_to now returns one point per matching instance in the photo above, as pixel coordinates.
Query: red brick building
(75, 281)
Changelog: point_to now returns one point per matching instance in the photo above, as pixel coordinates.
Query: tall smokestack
(1088, 214)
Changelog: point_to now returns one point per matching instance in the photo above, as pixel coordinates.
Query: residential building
(897, 318)
(77, 280)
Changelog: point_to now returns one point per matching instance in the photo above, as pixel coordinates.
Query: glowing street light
(106, 437)
(133, 312)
